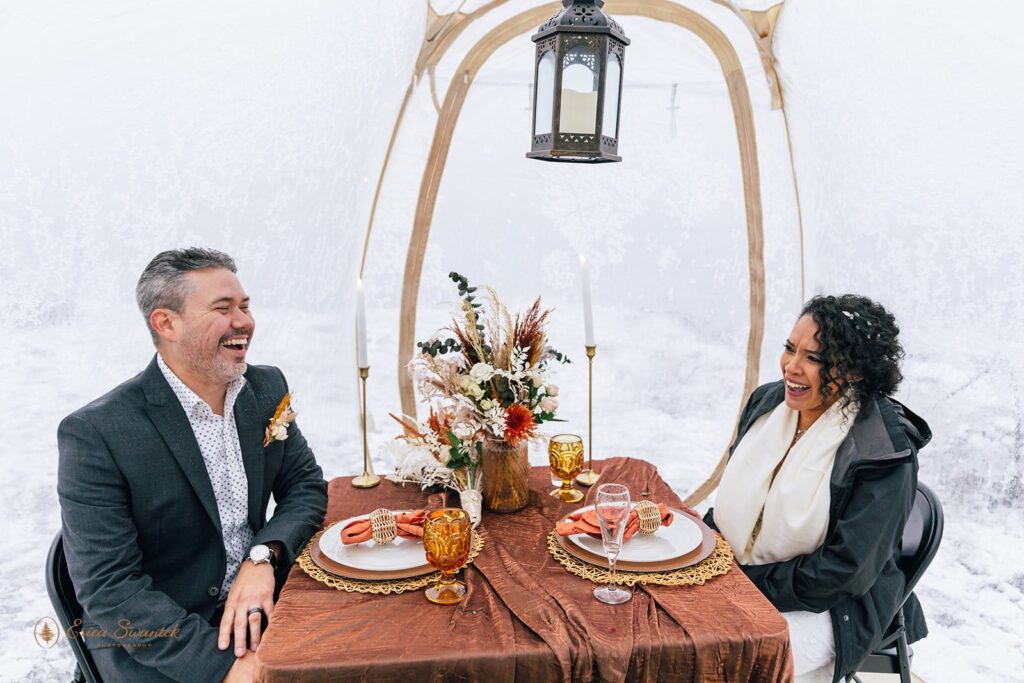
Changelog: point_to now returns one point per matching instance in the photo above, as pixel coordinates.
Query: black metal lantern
(578, 85)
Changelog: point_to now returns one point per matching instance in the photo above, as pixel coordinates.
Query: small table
(524, 618)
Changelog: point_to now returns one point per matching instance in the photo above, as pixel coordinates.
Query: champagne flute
(612, 514)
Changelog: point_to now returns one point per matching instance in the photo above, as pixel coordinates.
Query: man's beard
(209, 363)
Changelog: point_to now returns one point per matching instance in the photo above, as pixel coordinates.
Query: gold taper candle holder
(589, 477)
(366, 480)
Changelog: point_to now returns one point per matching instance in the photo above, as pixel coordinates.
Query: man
(164, 484)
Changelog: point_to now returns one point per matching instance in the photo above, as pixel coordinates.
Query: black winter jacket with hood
(854, 574)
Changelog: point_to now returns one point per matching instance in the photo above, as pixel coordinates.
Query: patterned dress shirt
(218, 441)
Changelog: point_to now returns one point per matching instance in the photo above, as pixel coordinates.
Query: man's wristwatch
(261, 554)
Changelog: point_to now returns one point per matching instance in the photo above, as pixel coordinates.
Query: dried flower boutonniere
(277, 430)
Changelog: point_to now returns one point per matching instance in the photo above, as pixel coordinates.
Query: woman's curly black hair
(858, 339)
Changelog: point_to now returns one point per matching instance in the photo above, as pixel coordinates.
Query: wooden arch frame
(476, 57)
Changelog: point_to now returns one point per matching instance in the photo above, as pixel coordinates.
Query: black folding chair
(62, 596)
(921, 537)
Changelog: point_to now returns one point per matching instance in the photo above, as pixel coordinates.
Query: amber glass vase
(447, 535)
(506, 486)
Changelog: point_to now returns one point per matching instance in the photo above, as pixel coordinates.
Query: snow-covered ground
(673, 406)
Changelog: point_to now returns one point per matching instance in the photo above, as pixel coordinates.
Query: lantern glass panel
(578, 113)
(610, 120)
(543, 110)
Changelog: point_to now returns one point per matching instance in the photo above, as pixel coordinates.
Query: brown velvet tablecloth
(525, 618)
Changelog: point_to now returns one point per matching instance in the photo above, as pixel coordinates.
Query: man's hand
(254, 587)
(243, 670)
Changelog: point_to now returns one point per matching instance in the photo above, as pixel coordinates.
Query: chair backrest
(921, 536)
(65, 602)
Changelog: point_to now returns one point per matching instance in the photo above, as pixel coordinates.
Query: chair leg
(902, 649)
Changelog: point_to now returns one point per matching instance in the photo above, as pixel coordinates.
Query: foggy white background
(259, 129)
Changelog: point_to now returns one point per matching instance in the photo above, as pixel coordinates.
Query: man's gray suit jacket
(141, 527)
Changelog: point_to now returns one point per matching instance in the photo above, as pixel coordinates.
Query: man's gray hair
(163, 284)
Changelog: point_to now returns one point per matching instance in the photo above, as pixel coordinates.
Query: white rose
(551, 390)
(486, 404)
(537, 379)
(474, 391)
(463, 431)
(481, 372)
(279, 432)
(548, 404)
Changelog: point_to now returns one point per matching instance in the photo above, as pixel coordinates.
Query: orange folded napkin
(585, 522)
(409, 524)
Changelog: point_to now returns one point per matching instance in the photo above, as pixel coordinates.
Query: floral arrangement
(431, 454)
(491, 375)
(485, 381)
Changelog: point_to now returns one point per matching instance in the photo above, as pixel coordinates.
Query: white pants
(814, 646)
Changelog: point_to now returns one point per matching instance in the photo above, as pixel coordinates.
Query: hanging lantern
(578, 85)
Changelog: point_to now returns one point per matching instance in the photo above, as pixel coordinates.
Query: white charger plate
(669, 542)
(399, 555)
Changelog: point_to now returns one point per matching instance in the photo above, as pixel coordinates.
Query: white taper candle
(588, 311)
(361, 358)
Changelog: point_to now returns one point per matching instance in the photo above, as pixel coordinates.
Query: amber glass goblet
(566, 454)
(447, 534)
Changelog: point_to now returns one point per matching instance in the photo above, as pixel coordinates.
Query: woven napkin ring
(649, 515)
(382, 521)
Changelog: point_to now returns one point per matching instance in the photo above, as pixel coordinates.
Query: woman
(819, 484)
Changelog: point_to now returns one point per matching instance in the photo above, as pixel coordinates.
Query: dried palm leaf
(529, 332)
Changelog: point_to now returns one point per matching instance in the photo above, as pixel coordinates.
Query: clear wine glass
(612, 514)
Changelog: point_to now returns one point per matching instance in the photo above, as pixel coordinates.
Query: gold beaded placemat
(716, 564)
(383, 587)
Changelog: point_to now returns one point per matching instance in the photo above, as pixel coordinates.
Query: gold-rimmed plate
(690, 543)
(401, 559)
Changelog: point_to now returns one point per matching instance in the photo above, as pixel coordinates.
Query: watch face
(259, 553)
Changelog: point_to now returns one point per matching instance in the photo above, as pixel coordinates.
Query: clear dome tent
(770, 152)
